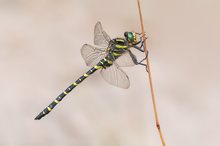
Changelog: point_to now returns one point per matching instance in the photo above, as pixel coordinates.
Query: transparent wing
(127, 59)
(92, 55)
(116, 76)
(101, 38)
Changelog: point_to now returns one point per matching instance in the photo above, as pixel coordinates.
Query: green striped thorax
(131, 37)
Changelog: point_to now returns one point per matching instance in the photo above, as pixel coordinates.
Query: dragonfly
(108, 55)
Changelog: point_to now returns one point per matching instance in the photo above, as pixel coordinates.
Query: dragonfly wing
(101, 38)
(116, 76)
(92, 55)
(127, 59)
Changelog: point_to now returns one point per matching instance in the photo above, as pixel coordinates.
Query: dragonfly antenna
(149, 76)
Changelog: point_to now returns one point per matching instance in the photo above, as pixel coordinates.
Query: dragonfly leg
(140, 62)
(142, 42)
(141, 34)
(140, 48)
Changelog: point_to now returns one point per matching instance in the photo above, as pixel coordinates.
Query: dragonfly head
(131, 37)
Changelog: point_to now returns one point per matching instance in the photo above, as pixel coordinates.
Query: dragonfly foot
(143, 65)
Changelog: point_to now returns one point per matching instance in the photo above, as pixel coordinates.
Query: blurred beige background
(40, 45)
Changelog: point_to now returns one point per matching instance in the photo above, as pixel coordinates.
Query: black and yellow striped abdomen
(102, 64)
(118, 47)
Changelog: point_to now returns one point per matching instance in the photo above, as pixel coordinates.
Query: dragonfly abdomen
(48, 109)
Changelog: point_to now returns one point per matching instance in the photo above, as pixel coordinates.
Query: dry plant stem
(150, 79)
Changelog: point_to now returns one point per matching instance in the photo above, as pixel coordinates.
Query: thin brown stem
(150, 79)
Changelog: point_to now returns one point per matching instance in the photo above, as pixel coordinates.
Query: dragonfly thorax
(117, 47)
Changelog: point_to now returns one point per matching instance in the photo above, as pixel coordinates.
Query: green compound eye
(130, 36)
